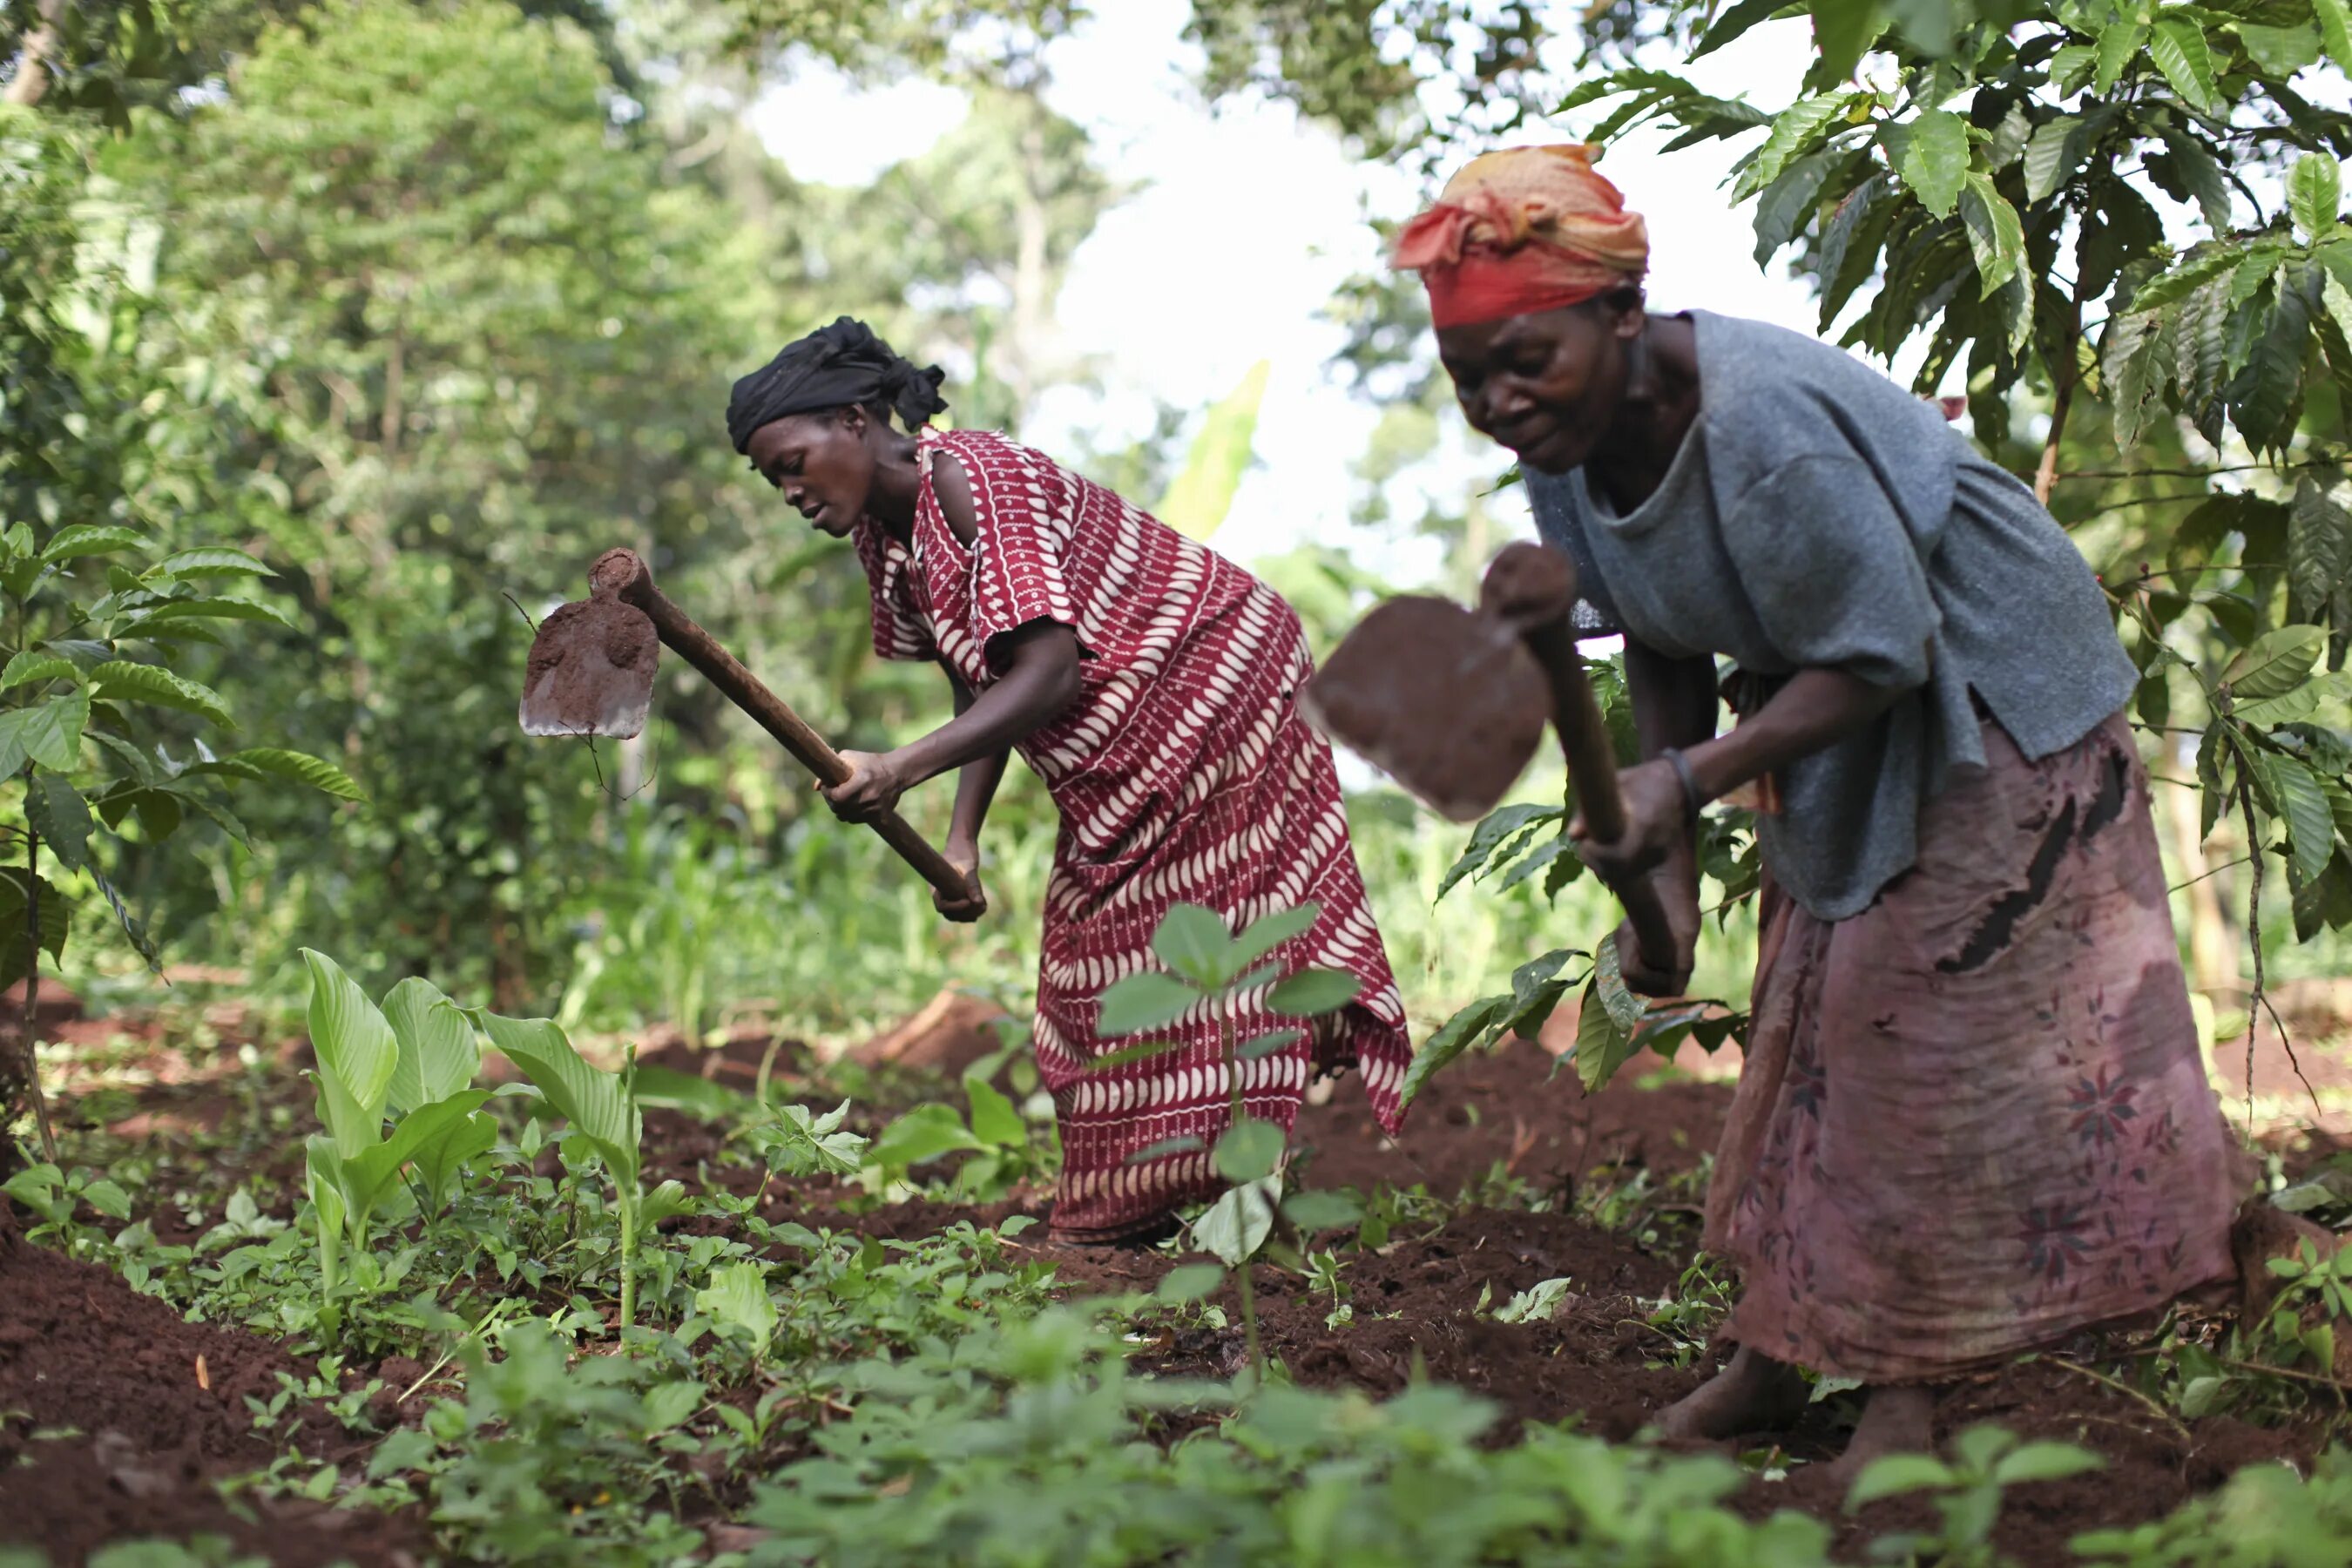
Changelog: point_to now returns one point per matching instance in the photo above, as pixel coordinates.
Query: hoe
(1451, 702)
(591, 673)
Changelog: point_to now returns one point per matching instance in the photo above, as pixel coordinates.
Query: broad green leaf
(1140, 1001)
(2044, 1462)
(1200, 496)
(1935, 162)
(667, 1201)
(1489, 837)
(90, 539)
(2203, 265)
(2179, 47)
(1601, 1047)
(2314, 190)
(1249, 1151)
(322, 1171)
(668, 1404)
(2202, 177)
(357, 1055)
(591, 1098)
(2295, 702)
(1314, 1211)
(1788, 202)
(56, 810)
(1188, 1282)
(2052, 154)
(1995, 235)
(2280, 51)
(107, 1199)
(1237, 1224)
(370, 1173)
(1626, 1009)
(922, 1134)
(738, 1295)
(1271, 931)
(16, 956)
(29, 666)
(1193, 941)
(1792, 129)
(119, 680)
(49, 733)
(2311, 826)
(2129, 359)
(1312, 993)
(1899, 1473)
(2277, 660)
(994, 1120)
(438, 1052)
(261, 762)
(1845, 30)
(1265, 1045)
(1453, 1038)
(210, 562)
(2071, 67)
(666, 1088)
(2117, 45)
(2318, 549)
(441, 1160)
(162, 619)
(2335, 30)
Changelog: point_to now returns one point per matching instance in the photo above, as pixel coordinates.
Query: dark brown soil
(1511, 1111)
(78, 1348)
(117, 1418)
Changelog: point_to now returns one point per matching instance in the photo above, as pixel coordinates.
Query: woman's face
(822, 462)
(1548, 386)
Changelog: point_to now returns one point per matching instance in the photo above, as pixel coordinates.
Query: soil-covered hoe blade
(591, 671)
(1449, 704)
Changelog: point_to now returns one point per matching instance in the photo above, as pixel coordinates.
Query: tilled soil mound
(116, 1418)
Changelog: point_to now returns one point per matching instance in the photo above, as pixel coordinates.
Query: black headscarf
(832, 368)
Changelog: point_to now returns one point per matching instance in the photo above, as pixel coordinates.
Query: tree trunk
(32, 79)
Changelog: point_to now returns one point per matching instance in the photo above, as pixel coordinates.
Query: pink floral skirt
(1973, 1117)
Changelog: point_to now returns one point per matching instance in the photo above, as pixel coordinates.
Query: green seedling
(996, 1136)
(412, 1061)
(1967, 1492)
(600, 1107)
(56, 1194)
(1209, 967)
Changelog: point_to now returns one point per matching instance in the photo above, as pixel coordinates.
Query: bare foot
(1754, 1393)
(1893, 1421)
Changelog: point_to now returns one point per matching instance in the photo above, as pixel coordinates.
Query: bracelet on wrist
(1694, 798)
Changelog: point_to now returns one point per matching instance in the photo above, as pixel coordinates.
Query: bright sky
(1248, 221)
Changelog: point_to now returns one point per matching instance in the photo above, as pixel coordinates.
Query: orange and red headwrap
(1528, 230)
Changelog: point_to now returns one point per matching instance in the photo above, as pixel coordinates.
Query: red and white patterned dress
(1183, 774)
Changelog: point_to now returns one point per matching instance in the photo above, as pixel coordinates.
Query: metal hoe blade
(591, 671)
(1448, 703)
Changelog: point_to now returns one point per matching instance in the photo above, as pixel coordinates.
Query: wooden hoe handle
(625, 573)
(1533, 589)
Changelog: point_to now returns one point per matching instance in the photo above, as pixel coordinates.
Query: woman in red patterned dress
(1149, 682)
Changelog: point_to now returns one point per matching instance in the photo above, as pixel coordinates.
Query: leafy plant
(1967, 1492)
(413, 1061)
(57, 1197)
(997, 1137)
(601, 1111)
(91, 732)
(1209, 967)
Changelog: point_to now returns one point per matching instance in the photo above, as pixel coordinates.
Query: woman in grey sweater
(1972, 1116)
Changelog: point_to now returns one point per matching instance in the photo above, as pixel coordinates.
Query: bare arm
(976, 788)
(1812, 709)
